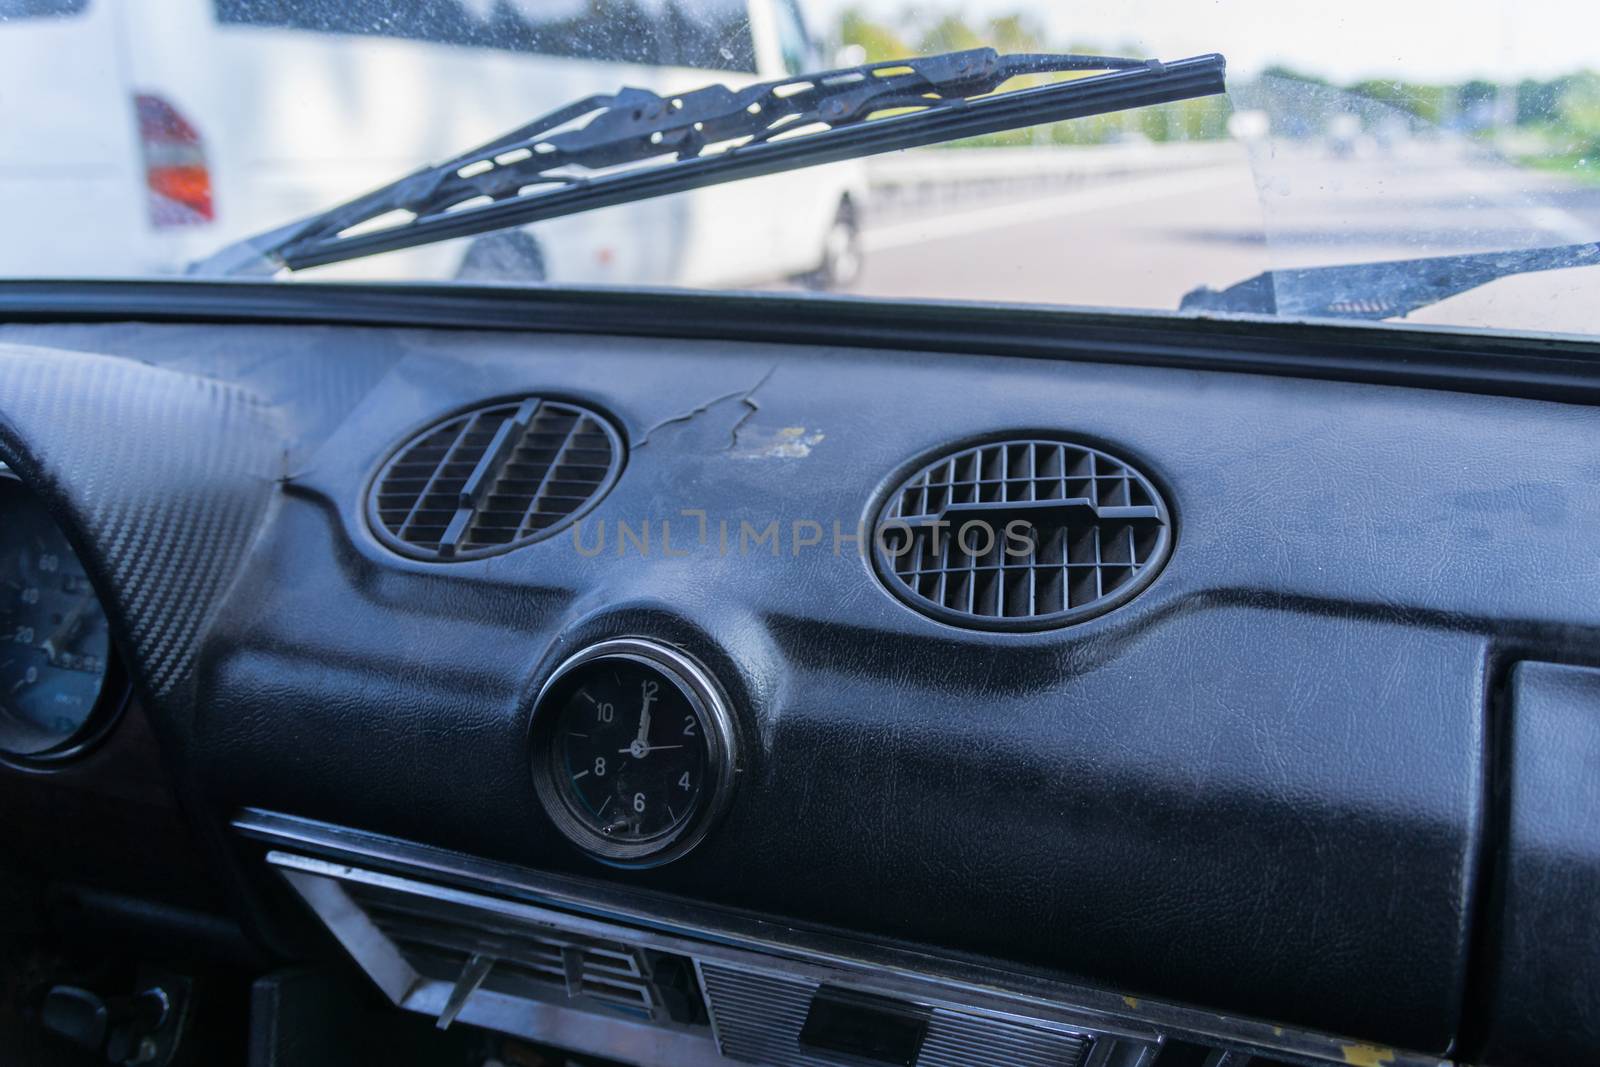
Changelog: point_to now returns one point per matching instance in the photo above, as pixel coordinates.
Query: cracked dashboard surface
(1270, 786)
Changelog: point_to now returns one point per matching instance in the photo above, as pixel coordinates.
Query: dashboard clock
(60, 685)
(633, 751)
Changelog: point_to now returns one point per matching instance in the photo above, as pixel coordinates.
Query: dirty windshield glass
(1431, 162)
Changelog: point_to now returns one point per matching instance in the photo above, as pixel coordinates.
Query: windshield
(141, 138)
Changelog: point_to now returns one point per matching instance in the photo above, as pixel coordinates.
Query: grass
(1580, 167)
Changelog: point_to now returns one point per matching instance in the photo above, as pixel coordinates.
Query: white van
(143, 148)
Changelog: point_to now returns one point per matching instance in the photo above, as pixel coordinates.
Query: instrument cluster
(61, 686)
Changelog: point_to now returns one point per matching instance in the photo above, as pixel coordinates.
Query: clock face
(633, 751)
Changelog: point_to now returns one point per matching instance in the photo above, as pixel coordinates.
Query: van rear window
(40, 9)
(713, 34)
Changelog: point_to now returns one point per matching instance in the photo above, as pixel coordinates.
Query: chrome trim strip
(352, 929)
(322, 885)
(690, 936)
(703, 933)
(578, 1031)
(298, 869)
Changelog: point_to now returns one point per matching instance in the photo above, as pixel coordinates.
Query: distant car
(159, 132)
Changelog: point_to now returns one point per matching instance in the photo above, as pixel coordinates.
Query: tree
(1537, 101)
(1427, 102)
(878, 41)
(1016, 33)
(1278, 70)
(1579, 112)
(949, 33)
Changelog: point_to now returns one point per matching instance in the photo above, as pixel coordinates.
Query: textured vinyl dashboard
(167, 476)
(1262, 786)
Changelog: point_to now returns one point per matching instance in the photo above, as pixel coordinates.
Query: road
(1144, 241)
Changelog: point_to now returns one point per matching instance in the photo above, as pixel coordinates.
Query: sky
(1343, 40)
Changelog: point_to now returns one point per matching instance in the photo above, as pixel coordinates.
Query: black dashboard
(1288, 748)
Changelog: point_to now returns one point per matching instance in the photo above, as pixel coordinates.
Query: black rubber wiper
(1383, 290)
(632, 145)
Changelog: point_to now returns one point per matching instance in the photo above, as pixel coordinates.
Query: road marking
(1115, 193)
(1496, 186)
(1558, 221)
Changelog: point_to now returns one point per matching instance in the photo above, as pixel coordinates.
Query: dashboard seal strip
(1558, 367)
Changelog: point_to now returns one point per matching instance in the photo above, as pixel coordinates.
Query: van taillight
(175, 171)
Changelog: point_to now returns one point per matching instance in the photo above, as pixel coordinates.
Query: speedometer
(633, 750)
(58, 685)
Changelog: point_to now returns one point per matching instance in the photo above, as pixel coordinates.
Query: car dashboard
(676, 696)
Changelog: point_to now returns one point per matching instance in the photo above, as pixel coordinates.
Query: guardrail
(930, 177)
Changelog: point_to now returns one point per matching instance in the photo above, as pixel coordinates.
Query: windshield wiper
(614, 148)
(1384, 290)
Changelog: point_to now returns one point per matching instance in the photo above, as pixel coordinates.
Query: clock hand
(646, 700)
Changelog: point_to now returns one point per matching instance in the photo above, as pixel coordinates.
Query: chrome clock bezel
(710, 705)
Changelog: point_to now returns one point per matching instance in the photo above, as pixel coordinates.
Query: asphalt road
(1143, 242)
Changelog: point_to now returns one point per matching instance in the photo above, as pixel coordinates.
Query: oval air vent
(493, 479)
(1022, 534)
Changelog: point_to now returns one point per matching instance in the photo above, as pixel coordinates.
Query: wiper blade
(1384, 290)
(611, 149)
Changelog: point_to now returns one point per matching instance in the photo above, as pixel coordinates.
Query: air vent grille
(494, 479)
(528, 962)
(1022, 534)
